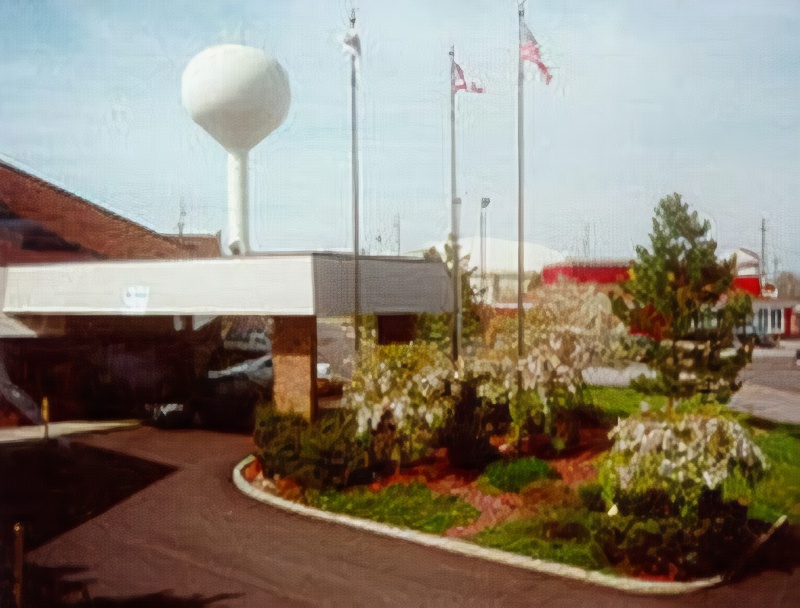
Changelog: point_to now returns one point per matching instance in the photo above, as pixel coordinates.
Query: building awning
(272, 284)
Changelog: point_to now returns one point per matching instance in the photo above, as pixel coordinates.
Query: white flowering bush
(680, 457)
(405, 384)
(568, 329)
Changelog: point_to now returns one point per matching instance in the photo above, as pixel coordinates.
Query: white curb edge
(468, 549)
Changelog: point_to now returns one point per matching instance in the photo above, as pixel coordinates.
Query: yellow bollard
(19, 555)
(46, 416)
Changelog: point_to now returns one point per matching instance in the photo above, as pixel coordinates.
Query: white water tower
(239, 96)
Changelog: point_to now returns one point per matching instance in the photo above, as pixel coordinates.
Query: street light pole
(520, 199)
(355, 182)
(484, 204)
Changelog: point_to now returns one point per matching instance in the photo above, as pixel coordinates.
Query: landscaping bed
(506, 446)
(552, 508)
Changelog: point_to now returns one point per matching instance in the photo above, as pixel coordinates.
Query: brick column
(394, 329)
(294, 360)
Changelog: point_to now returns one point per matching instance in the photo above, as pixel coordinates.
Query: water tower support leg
(238, 226)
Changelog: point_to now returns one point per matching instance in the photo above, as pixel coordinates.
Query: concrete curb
(460, 547)
(62, 429)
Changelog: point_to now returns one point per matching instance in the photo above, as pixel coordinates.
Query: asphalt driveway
(188, 538)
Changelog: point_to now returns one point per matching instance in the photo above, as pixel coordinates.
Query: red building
(601, 272)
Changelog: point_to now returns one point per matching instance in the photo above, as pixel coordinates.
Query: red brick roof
(95, 231)
(202, 245)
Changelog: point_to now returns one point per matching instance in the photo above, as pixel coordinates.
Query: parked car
(757, 336)
(227, 397)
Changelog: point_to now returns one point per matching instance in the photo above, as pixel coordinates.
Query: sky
(647, 99)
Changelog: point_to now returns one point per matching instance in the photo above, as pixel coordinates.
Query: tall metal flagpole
(454, 204)
(521, 198)
(354, 169)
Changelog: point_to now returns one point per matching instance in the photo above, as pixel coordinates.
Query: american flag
(529, 51)
(460, 83)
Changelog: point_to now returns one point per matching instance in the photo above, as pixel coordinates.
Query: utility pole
(397, 232)
(763, 260)
(520, 195)
(181, 218)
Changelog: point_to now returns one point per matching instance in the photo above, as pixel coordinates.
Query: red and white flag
(352, 43)
(529, 51)
(462, 84)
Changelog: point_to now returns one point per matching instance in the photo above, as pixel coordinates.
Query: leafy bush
(409, 506)
(569, 328)
(278, 440)
(664, 546)
(468, 429)
(591, 495)
(512, 476)
(669, 462)
(316, 455)
(405, 386)
(672, 547)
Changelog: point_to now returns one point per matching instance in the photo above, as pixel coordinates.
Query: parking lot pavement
(771, 384)
(769, 403)
(191, 539)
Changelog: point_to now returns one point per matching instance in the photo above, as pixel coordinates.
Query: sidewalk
(59, 429)
(766, 402)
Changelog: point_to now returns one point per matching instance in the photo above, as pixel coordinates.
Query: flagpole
(520, 196)
(355, 187)
(454, 204)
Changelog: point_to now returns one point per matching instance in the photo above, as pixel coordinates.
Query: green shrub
(468, 428)
(647, 385)
(512, 476)
(672, 547)
(316, 455)
(409, 506)
(591, 495)
(278, 440)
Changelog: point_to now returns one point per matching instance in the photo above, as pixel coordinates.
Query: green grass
(514, 475)
(549, 539)
(621, 402)
(409, 506)
(778, 493)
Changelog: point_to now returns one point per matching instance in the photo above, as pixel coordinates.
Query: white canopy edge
(275, 285)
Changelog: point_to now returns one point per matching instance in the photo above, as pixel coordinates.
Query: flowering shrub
(569, 328)
(678, 458)
(403, 387)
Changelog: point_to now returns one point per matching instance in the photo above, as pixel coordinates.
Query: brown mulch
(579, 466)
(575, 467)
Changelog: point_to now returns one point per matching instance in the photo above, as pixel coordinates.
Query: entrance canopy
(272, 284)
